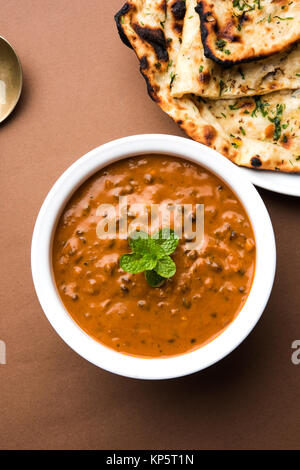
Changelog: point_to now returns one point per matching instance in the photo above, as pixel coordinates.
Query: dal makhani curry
(201, 291)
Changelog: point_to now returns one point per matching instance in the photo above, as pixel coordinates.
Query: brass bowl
(11, 79)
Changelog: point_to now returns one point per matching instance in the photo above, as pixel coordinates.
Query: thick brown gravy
(120, 309)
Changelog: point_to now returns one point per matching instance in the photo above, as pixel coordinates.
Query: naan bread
(236, 31)
(197, 74)
(260, 133)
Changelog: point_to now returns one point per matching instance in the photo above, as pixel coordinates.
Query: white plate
(282, 183)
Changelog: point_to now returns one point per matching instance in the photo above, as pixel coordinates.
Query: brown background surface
(82, 88)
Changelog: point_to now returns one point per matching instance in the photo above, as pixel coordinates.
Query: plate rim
(256, 178)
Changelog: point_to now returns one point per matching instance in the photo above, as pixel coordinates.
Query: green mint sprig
(152, 256)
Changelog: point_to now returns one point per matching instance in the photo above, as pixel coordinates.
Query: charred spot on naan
(204, 135)
(156, 38)
(269, 131)
(209, 135)
(204, 77)
(158, 48)
(119, 20)
(163, 6)
(286, 141)
(177, 27)
(178, 9)
(243, 19)
(151, 88)
(227, 152)
(144, 64)
(256, 161)
(247, 106)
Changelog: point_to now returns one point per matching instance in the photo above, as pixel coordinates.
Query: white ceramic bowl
(103, 356)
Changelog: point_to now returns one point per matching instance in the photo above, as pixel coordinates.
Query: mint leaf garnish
(134, 236)
(167, 239)
(165, 267)
(147, 245)
(151, 255)
(154, 279)
(136, 263)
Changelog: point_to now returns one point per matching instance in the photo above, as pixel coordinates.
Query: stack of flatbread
(228, 72)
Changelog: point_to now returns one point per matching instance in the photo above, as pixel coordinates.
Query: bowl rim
(101, 355)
